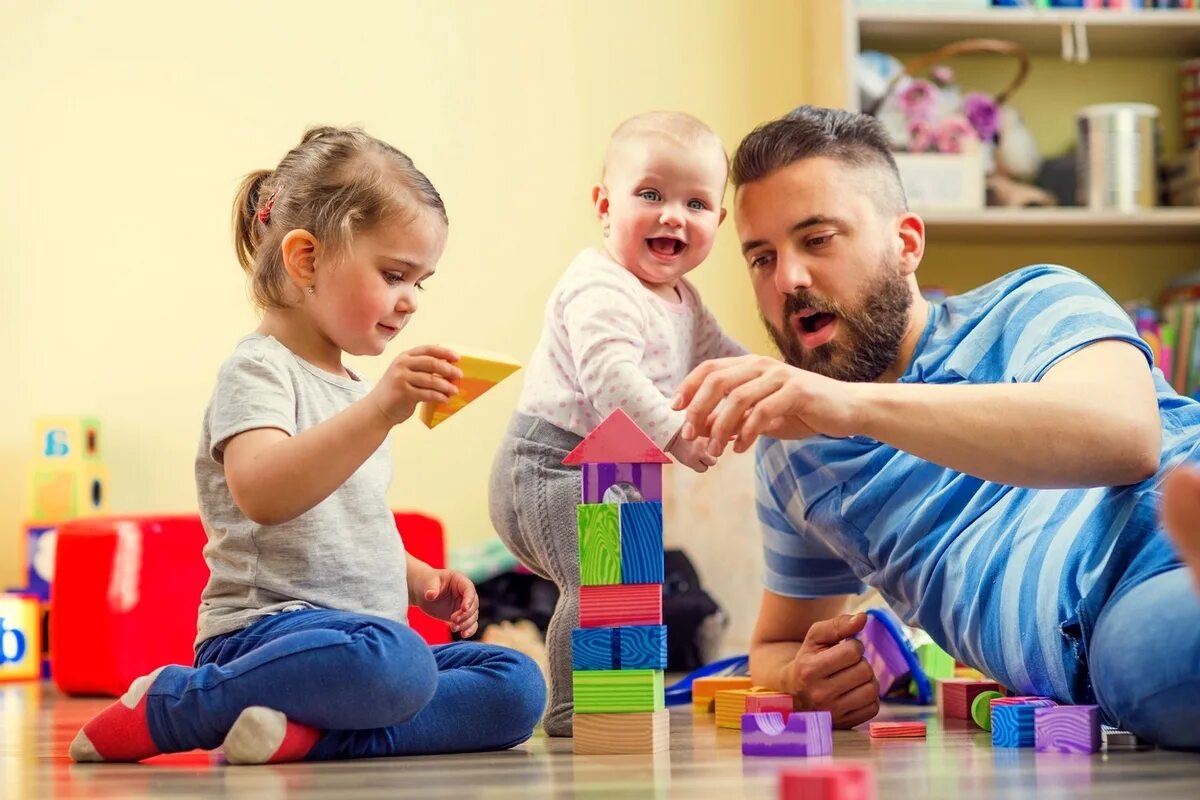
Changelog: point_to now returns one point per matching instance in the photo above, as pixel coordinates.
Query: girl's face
(367, 297)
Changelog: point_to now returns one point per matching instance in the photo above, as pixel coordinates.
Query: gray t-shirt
(344, 553)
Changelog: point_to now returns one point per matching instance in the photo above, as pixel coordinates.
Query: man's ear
(911, 237)
(600, 201)
(299, 250)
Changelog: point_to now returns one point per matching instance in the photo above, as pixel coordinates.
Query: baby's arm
(712, 342)
(274, 477)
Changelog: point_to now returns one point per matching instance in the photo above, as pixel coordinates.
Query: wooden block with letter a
(615, 734)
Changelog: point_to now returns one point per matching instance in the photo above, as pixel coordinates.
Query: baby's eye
(392, 278)
(420, 286)
(697, 205)
(650, 195)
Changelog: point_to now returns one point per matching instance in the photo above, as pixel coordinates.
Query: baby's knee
(398, 672)
(520, 693)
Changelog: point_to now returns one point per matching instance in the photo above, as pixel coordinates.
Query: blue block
(594, 648)
(642, 647)
(641, 542)
(630, 647)
(1013, 726)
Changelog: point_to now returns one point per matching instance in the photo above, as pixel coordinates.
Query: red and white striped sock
(119, 732)
(262, 735)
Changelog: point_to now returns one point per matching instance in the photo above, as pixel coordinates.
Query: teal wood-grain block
(599, 544)
(629, 647)
(641, 542)
(604, 691)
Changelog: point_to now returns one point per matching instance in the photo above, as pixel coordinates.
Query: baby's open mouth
(666, 246)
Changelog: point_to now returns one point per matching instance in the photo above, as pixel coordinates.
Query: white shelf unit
(1155, 33)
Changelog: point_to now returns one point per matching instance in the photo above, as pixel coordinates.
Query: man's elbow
(1145, 452)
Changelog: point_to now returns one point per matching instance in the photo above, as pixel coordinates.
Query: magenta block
(884, 654)
(1067, 729)
(806, 733)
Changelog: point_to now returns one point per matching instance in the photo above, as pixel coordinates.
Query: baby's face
(662, 204)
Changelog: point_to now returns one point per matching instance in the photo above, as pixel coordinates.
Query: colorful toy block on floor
(801, 733)
(1013, 725)
(633, 647)
(958, 694)
(1113, 739)
(20, 637)
(843, 780)
(981, 708)
(610, 606)
(599, 478)
(1067, 729)
(481, 371)
(606, 691)
(619, 734)
(884, 650)
(897, 730)
(704, 689)
(642, 557)
(730, 705)
(617, 440)
(599, 527)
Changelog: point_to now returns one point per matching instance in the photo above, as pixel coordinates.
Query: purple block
(806, 733)
(1067, 729)
(599, 478)
(883, 653)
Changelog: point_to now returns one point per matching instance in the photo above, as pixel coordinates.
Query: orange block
(480, 373)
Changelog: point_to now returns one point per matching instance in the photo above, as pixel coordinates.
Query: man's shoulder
(1032, 278)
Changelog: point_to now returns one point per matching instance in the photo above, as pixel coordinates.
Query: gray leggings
(532, 498)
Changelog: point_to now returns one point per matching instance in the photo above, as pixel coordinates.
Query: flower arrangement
(933, 116)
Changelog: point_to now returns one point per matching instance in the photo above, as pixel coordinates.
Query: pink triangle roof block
(617, 440)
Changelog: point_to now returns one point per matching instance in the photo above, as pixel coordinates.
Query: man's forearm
(769, 664)
(1038, 435)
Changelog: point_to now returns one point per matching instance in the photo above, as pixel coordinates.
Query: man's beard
(868, 338)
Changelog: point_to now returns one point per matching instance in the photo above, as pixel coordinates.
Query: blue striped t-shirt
(1007, 579)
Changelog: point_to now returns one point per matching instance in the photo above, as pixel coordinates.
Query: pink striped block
(1067, 729)
(620, 604)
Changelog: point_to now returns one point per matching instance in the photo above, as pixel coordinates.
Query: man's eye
(758, 262)
(820, 241)
(649, 195)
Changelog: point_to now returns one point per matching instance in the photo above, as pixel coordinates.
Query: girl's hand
(449, 595)
(423, 373)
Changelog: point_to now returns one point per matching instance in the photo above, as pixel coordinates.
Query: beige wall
(127, 125)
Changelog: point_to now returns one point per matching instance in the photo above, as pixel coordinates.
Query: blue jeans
(372, 685)
(1144, 659)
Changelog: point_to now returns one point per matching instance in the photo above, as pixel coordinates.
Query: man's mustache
(803, 300)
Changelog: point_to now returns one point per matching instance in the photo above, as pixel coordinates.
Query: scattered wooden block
(604, 691)
(844, 780)
(731, 704)
(703, 690)
(1013, 725)
(480, 373)
(72, 489)
(617, 440)
(1067, 729)
(618, 734)
(981, 708)
(958, 694)
(599, 543)
(641, 532)
(633, 647)
(20, 637)
(66, 439)
(621, 604)
(802, 733)
(897, 730)
(1114, 739)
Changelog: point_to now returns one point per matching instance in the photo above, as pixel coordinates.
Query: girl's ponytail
(246, 230)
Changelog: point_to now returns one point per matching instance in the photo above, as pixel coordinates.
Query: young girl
(622, 329)
(303, 651)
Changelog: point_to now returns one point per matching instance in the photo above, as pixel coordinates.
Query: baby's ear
(721, 218)
(600, 201)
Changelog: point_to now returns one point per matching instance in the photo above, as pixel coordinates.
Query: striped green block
(937, 663)
(600, 691)
(599, 544)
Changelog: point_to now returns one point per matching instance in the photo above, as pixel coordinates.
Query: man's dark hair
(857, 140)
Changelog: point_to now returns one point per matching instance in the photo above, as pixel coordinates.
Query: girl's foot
(119, 732)
(1181, 515)
(262, 735)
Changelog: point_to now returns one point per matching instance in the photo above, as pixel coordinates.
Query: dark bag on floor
(694, 620)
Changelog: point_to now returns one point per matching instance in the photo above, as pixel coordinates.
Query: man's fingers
(832, 631)
(815, 668)
(689, 385)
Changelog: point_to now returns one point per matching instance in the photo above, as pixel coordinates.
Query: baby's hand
(693, 453)
(449, 595)
(423, 373)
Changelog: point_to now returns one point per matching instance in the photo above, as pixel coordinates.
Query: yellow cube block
(62, 493)
(20, 638)
(67, 439)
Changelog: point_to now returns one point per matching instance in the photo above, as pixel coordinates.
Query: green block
(601, 691)
(599, 544)
(937, 663)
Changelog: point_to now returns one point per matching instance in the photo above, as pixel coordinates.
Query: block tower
(68, 480)
(619, 650)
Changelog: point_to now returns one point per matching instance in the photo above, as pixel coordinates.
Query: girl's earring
(606, 230)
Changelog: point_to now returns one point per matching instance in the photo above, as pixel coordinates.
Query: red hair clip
(264, 213)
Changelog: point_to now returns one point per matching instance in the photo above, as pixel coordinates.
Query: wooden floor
(956, 761)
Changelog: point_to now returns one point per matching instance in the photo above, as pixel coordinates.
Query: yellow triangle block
(480, 373)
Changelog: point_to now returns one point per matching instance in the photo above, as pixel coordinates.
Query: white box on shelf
(942, 181)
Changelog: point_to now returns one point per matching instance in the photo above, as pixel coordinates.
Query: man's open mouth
(813, 321)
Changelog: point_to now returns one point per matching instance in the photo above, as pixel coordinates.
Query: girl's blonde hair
(336, 183)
